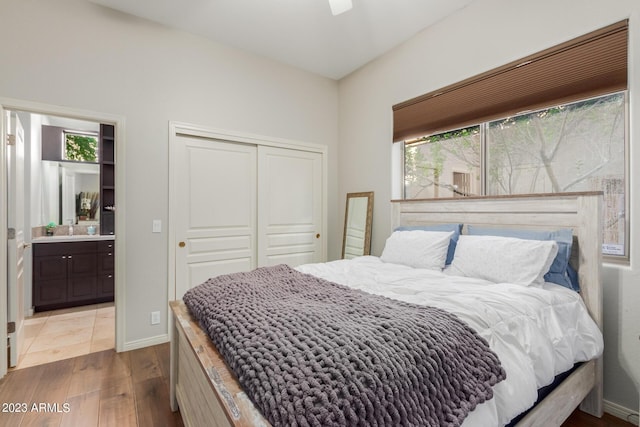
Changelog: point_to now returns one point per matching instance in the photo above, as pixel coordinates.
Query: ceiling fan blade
(340, 6)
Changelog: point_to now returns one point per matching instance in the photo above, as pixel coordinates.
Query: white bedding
(537, 332)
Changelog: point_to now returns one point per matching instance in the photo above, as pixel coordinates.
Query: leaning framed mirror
(356, 240)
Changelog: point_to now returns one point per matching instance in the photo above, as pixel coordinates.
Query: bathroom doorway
(68, 299)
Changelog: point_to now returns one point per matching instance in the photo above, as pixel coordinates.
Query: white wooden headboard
(578, 211)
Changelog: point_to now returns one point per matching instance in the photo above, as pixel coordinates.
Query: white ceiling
(301, 33)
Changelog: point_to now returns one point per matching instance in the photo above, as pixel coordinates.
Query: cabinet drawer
(106, 263)
(106, 246)
(64, 248)
(106, 286)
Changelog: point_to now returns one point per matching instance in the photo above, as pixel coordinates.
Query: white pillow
(503, 259)
(417, 248)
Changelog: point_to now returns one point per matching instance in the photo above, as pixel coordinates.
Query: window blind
(587, 66)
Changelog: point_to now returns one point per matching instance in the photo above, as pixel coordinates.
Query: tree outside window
(432, 164)
(81, 147)
(568, 148)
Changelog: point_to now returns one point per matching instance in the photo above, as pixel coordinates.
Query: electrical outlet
(155, 317)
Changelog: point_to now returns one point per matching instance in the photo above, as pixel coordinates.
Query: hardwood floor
(99, 389)
(580, 419)
(120, 390)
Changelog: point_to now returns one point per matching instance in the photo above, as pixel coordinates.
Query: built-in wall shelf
(107, 179)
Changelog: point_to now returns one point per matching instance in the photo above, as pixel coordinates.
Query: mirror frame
(368, 223)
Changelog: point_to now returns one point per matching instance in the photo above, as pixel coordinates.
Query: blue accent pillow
(560, 272)
(456, 228)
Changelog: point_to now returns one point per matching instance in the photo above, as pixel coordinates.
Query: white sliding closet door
(240, 204)
(289, 207)
(216, 193)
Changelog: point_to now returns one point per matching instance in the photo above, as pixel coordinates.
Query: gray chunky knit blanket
(309, 352)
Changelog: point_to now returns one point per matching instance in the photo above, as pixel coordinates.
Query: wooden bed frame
(207, 393)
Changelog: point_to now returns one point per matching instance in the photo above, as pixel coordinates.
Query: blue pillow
(456, 228)
(560, 272)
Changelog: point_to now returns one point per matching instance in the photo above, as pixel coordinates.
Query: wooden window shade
(588, 66)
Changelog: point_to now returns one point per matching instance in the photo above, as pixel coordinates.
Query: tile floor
(62, 334)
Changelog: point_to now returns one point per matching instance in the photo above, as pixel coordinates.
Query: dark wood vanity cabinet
(68, 274)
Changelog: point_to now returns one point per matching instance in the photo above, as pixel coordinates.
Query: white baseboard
(146, 342)
(621, 412)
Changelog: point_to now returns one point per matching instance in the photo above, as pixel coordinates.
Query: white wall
(487, 34)
(75, 54)
(150, 75)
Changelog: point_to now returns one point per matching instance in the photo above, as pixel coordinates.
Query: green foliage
(463, 134)
(560, 110)
(81, 148)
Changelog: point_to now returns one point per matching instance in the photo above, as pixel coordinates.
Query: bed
(207, 392)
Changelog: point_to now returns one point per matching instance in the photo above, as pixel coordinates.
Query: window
(572, 137)
(572, 147)
(79, 147)
(434, 165)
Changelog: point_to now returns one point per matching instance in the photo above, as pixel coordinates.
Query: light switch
(157, 226)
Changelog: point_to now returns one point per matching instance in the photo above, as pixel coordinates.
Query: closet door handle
(181, 244)
(318, 236)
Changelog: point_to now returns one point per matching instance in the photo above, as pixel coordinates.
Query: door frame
(176, 129)
(56, 110)
(4, 224)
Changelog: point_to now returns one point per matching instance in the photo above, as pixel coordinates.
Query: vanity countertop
(74, 238)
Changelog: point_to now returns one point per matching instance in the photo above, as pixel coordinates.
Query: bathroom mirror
(67, 183)
(70, 192)
(357, 225)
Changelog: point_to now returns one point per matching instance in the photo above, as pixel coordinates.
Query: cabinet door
(49, 292)
(81, 277)
(81, 288)
(66, 274)
(82, 265)
(53, 267)
(51, 139)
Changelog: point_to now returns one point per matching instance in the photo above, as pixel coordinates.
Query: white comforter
(537, 332)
